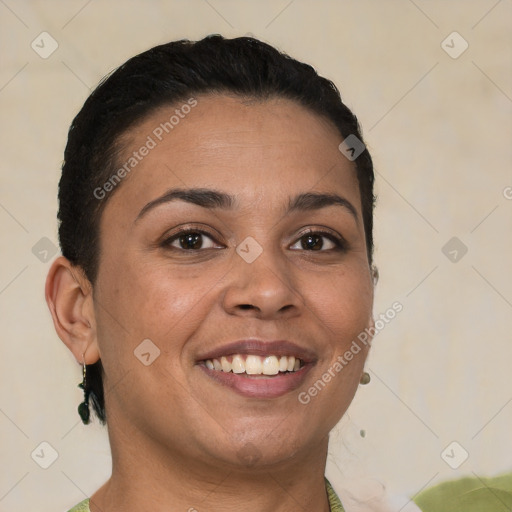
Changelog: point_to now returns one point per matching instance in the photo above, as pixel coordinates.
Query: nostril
(246, 306)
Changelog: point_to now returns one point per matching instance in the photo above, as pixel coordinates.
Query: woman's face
(239, 233)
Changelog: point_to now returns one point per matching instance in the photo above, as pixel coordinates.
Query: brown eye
(312, 242)
(317, 242)
(191, 241)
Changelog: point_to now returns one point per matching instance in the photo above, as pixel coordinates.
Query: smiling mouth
(251, 364)
(258, 369)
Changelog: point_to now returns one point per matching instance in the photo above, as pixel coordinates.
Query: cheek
(342, 302)
(342, 306)
(153, 301)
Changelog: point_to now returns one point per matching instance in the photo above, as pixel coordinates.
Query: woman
(216, 281)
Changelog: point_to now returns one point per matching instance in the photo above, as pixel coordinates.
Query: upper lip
(261, 348)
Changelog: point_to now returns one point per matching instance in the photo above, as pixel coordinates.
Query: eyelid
(334, 236)
(178, 231)
(320, 230)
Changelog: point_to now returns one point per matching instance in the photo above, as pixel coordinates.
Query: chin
(266, 451)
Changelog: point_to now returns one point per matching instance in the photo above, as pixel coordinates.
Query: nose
(262, 289)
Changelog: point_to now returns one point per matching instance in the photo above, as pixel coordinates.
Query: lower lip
(256, 386)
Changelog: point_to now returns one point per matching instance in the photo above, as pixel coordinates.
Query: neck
(149, 476)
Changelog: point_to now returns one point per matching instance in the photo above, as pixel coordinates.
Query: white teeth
(226, 365)
(238, 364)
(255, 365)
(270, 366)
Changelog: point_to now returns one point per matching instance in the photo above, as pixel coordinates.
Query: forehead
(249, 148)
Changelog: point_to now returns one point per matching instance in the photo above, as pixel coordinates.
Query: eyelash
(187, 231)
(340, 244)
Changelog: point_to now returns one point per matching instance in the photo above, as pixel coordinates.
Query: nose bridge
(261, 281)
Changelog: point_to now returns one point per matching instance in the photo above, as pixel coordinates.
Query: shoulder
(83, 506)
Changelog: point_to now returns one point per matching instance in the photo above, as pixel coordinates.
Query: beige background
(439, 129)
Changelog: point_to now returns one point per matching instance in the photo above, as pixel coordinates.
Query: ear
(69, 297)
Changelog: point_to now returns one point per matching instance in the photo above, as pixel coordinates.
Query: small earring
(83, 408)
(375, 275)
(365, 378)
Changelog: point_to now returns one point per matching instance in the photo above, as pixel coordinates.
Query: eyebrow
(208, 198)
(204, 197)
(315, 201)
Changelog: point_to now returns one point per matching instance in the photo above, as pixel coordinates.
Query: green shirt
(334, 502)
(476, 494)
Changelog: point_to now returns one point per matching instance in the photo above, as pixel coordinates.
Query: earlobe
(69, 297)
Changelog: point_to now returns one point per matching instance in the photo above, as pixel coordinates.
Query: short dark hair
(167, 74)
